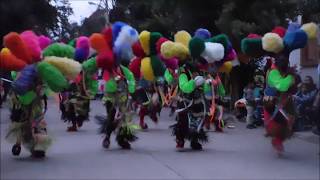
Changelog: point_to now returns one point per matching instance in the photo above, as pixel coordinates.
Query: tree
(235, 18)
(167, 16)
(253, 16)
(310, 10)
(20, 15)
(63, 30)
(95, 23)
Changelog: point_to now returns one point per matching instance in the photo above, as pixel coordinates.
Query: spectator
(1, 89)
(316, 113)
(249, 97)
(4, 86)
(258, 95)
(303, 101)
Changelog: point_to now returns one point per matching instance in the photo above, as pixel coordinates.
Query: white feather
(213, 52)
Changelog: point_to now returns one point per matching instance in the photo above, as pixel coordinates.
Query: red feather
(253, 36)
(135, 67)
(105, 60)
(159, 43)
(107, 33)
(281, 31)
(137, 49)
(10, 62)
(14, 42)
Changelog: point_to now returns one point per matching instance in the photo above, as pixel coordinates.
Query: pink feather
(253, 36)
(31, 40)
(172, 63)
(82, 42)
(44, 41)
(231, 55)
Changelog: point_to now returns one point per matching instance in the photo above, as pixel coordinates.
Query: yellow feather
(272, 42)
(171, 49)
(167, 49)
(311, 29)
(226, 67)
(68, 67)
(146, 69)
(182, 37)
(144, 38)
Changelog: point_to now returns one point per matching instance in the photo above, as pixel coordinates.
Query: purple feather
(26, 81)
(202, 34)
(293, 27)
(81, 54)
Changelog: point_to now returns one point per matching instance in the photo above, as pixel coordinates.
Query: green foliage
(234, 18)
(64, 30)
(20, 15)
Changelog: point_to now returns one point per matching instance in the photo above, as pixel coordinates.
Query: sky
(81, 9)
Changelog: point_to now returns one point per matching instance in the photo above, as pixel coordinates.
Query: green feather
(154, 36)
(282, 84)
(13, 75)
(111, 86)
(157, 66)
(196, 47)
(252, 47)
(130, 77)
(27, 98)
(59, 50)
(185, 85)
(168, 76)
(90, 65)
(52, 76)
(222, 39)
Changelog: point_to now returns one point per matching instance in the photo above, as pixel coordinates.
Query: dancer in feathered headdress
(280, 80)
(35, 78)
(148, 69)
(114, 52)
(74, 101)
(192, 111)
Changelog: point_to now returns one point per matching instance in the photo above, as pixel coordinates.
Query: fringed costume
(118, 118)
(150, 105)
(74, 106)
(279, 110)
(278, 107)
(40, 69)
(191, 113)
(28, 126)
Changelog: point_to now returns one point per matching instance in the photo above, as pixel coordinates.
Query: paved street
(236, 154)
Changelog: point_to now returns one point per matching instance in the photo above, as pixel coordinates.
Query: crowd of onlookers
(306, 103)
(4, 87)
(250, 108)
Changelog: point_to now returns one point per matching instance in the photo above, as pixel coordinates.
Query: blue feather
(26, 81)
(116, 28)
(202, 34)
(295, 40)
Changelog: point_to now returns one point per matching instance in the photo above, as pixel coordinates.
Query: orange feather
(98, 42)
(10, 62)
(17, 46)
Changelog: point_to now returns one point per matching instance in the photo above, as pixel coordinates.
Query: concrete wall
(304, 71)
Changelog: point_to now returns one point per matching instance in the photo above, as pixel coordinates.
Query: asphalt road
(237, 153)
